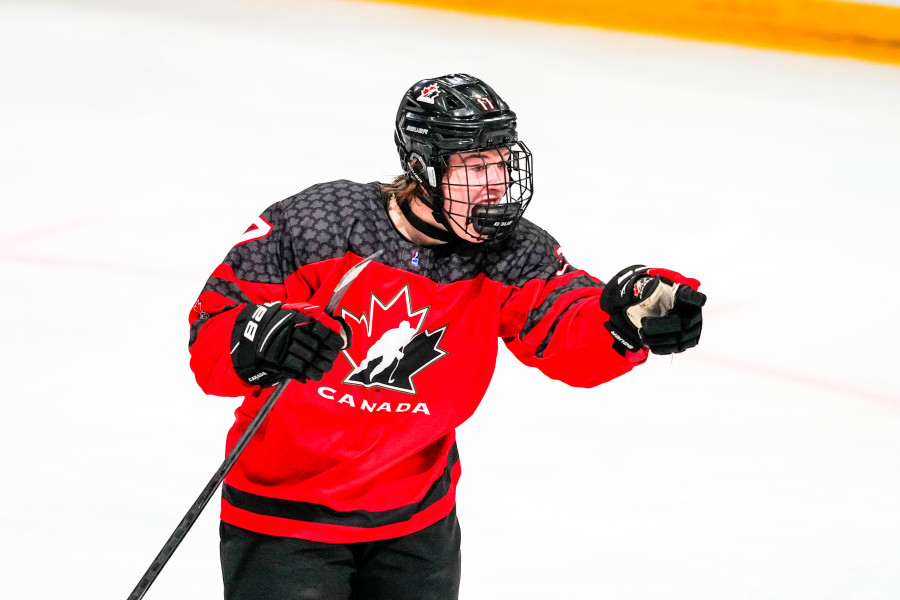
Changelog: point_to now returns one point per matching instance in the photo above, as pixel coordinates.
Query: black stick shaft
(191, 517)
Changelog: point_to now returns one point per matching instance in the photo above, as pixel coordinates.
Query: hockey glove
(277, 340)
(656, 308)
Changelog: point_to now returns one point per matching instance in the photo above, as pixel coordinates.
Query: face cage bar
(488, 188)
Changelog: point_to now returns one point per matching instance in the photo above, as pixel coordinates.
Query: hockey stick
(190, 518)
(394, 370)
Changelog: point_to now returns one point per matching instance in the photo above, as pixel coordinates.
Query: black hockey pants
(421, 566)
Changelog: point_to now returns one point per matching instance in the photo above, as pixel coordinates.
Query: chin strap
(428, 229)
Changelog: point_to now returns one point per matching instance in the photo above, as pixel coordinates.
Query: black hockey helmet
(457, 120)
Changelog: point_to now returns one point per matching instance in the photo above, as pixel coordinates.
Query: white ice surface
(139, 138)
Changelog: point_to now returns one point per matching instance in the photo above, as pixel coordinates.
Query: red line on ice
(34, 234)
(800, 378)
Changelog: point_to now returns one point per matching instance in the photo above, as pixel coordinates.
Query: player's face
(474, 178)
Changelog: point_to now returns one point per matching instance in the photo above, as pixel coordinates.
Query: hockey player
(388, 349)
(348, 488)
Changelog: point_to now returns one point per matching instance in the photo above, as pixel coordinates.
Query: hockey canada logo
(429, 93)
(397, 346)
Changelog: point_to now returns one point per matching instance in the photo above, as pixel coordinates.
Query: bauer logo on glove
(272, 341)
(654, 308)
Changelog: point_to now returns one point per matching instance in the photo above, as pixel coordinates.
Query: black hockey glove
(656, 308)
(273, 341)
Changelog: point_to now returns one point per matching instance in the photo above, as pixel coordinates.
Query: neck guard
(428, 229)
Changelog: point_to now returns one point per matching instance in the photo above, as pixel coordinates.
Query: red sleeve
(211, 357)
(254, 271)
(556, 325)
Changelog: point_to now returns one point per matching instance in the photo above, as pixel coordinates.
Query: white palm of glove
(658, 298)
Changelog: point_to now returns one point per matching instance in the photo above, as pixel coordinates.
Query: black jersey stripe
(539, 352)
(319, 513)
(538, 314)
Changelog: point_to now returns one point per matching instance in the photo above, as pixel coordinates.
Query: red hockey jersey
(369, 451)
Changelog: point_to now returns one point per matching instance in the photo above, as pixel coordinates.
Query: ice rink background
(139, 138)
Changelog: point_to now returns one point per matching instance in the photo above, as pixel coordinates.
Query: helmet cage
(484, 192)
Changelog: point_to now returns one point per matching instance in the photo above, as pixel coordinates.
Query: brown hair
(407, 189)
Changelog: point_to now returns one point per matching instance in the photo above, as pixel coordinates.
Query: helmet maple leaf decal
(390, 345)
